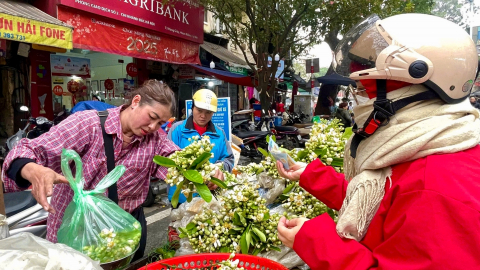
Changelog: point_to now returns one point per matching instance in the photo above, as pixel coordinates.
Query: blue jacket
(180, 132)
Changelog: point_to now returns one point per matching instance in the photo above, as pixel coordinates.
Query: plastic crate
(205, 261)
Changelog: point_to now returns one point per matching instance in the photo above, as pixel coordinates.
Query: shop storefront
(26, 33)
(119, 44)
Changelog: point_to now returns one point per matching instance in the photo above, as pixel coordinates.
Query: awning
(224, 54)
(98, 33)
(25, 23)
(225, 76)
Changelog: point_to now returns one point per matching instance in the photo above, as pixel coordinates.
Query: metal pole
(471, 18)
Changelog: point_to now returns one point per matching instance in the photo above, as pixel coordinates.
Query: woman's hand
(42, 180)
(294, 172)
(219, 175)
(288, 229)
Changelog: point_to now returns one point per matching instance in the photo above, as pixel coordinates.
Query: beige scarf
(418, 130)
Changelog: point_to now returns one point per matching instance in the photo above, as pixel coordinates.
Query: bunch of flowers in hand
(190, 170)
(327, 142)
(270, 166)
(299, 202)
(243, 225)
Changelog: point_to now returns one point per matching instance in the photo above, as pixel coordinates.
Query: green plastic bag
(92, 223)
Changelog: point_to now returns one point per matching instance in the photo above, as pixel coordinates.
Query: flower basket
(205, 261)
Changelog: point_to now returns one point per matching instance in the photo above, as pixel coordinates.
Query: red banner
(96, 33)
(180, 19)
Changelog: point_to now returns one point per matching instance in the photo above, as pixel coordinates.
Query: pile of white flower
(190, 169)
(301, 203)
(243, 225)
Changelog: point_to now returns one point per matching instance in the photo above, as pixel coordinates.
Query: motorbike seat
(286, 128)
(247, 134)
(16, 202)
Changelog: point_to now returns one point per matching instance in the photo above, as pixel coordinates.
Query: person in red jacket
(409, 197)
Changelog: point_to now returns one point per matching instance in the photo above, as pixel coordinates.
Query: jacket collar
(210, 125)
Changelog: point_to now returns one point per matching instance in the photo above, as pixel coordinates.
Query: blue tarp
(91, 105)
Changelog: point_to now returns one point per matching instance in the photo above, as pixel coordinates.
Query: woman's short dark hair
(343, 105)
(156, 91)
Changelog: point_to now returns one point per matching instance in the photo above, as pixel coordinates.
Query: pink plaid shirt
(82, 132)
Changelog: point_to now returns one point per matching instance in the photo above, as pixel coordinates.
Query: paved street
(158, 218)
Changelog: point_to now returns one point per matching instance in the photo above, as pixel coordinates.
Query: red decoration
(109, 84)
(58, 90)
(132, 70)
(73, 86)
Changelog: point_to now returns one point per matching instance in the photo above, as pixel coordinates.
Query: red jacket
(428, 219)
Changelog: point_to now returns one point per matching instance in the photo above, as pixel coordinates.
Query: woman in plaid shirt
(137, 138)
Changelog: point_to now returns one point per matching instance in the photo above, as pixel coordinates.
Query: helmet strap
(383, 109)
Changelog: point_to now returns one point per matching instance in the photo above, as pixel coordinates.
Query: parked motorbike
(287, 136)
(24, 214)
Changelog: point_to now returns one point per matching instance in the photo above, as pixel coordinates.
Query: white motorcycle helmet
(412, 48)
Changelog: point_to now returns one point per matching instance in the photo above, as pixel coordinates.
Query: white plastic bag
(28, 252)
(4, 232)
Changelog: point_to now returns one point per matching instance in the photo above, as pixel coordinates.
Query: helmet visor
(359, 48)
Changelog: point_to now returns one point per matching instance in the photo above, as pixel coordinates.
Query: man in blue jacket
(200, 124)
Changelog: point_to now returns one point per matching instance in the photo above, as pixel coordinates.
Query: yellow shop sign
(35, 32)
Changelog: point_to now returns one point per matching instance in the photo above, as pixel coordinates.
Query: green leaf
(209, 221)
(193, 176)
(263, 151)
(164, 161)
(204, 192)
(320, 152)
(232, 231)
(259, 170)
(254, 207)
(218, 182)
(260, 234)
(238, 229)
(190, 197)
(257, 250)
(289, 188)
(242, 219)
(183, 230)
(224, 250)
(243, 243)
(191, 226)
(347, 133)
(255, 239)
(249, 238)
(183, 235)
(236, 219)
(302, 154)
(199, 160)
(176, 194)
(266, 216)
(275, 248)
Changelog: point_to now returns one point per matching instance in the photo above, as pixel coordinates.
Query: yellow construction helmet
(205, 99)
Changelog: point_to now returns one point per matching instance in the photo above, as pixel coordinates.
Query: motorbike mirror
(60, 113)
(24, 108)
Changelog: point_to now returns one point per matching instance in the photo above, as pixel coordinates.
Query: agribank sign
(183, 19)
